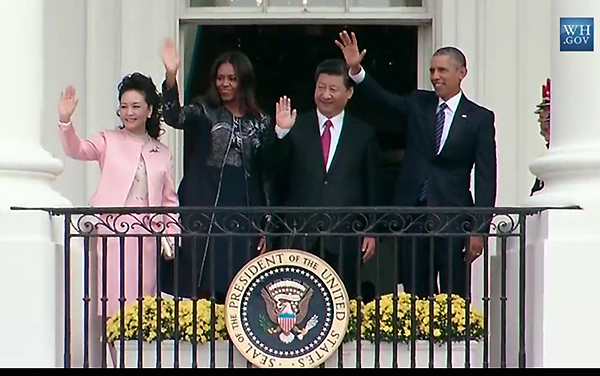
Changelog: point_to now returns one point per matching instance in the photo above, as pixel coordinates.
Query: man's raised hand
(285, 117)
(349, 46)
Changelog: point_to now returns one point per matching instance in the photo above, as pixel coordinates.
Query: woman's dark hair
(244, 72)
(145, 86)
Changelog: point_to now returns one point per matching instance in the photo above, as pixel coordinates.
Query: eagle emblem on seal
(287, 304)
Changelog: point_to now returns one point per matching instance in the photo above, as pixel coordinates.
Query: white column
(28, 254)
(564, 281)
(571, 167)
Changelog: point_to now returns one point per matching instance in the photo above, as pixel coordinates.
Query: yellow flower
(390, 322)
(428, 313)
(184, 316)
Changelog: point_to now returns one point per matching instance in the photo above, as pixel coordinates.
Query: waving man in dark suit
(447, 136)
(329, 158)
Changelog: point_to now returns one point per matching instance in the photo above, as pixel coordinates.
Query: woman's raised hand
(170, 57)
(67, 104)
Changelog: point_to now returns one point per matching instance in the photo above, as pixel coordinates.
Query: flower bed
(434, 312)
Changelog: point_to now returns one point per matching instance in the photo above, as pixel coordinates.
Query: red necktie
(326, 141)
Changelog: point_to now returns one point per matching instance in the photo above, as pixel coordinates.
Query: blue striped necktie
(439, 129)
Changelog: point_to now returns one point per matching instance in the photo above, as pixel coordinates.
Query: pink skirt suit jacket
(119, 154)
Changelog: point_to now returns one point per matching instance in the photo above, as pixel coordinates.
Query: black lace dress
(227, 165)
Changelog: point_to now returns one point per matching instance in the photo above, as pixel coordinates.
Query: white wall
(64, 64)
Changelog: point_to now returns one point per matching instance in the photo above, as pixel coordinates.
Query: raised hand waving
(67, 104)
(285, 117)
(349, 47)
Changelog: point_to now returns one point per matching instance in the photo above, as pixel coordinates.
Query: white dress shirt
(452, 105)
(336, 130)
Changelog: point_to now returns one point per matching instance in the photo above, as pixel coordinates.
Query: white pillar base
(561, 289)
(31, 259)
(569, 289)
(30, 312)
(26, 172)
(571, 177)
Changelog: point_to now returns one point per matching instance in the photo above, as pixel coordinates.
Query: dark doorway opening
(285, 58)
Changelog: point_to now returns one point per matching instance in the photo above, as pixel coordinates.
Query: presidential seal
(287, 308)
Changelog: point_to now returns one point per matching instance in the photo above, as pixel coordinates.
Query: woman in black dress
(230, 139)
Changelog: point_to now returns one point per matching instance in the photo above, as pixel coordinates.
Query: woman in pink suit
(136, 171)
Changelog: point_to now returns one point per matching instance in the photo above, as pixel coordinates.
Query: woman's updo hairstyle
(145, 86)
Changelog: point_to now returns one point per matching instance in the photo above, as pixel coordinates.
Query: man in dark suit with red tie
(447, 136)
(327, 157)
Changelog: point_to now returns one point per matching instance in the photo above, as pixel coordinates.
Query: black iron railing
(212, 244)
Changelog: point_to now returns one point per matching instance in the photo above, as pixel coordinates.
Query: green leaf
(264, 323)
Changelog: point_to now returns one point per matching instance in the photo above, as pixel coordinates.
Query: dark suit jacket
(470, 143)
(353, 179)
